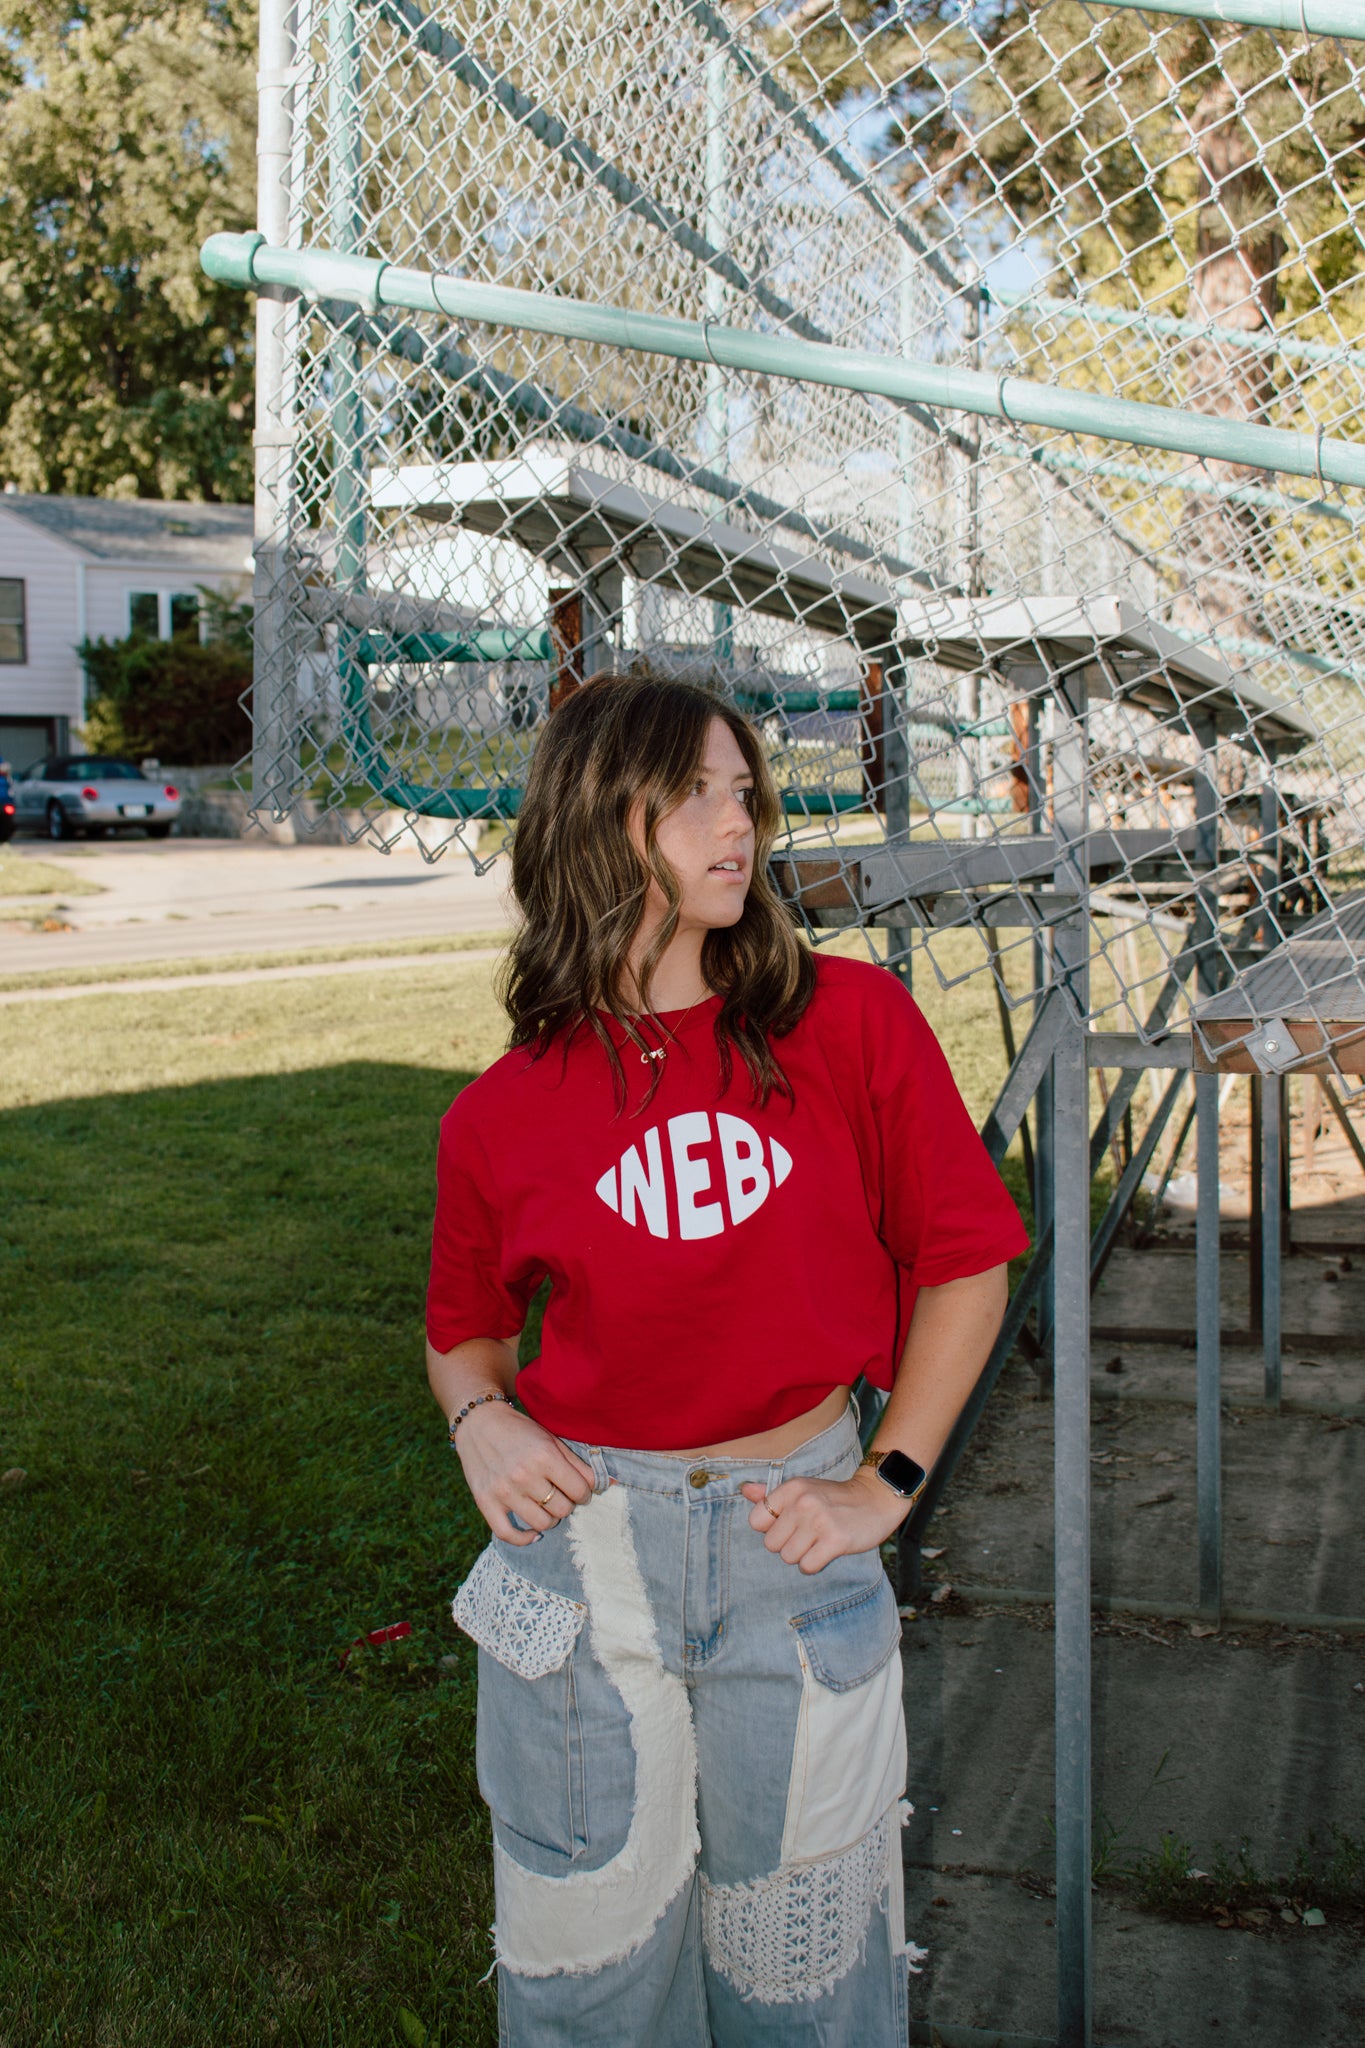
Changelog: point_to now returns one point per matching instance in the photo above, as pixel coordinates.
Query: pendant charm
(661, 1054)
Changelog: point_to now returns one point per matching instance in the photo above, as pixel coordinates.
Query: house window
(13, 636)
(163, 614)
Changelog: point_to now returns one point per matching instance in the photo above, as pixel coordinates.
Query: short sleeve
(468, 1294)
(945, 1212)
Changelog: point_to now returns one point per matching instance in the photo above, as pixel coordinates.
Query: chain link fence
(916, 601)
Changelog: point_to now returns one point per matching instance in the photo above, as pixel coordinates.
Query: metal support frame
(1208, 1356)
(1272, 1089)
(1208, 1374)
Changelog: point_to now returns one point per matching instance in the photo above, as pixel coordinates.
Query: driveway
(196, 898)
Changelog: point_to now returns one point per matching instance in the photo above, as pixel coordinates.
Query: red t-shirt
(717, 1266)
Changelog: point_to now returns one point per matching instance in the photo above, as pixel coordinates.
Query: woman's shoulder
(845, 989)
(494, 1094)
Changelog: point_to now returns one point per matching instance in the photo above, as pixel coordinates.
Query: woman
(749, 1178)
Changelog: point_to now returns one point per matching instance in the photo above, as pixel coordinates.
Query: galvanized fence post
(274, 744)
(1070, 1194)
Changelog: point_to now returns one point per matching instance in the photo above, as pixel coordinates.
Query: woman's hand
(809, 1522)
(513, 1466)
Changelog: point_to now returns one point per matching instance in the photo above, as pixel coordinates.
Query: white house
(73, 569)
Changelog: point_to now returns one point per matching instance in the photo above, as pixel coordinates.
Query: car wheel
(58, 824)
(6, 829)
(158, 831)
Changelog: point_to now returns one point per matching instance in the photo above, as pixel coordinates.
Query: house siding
(48, 684)
(107, 590)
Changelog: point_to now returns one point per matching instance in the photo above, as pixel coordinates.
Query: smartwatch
(900, 1473)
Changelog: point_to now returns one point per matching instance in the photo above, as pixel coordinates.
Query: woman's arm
(510, 1462)
(810, 1521)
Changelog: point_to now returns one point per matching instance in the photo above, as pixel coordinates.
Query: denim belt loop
(774, 1474)
(596, 1457)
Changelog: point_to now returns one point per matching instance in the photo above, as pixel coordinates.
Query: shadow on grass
(211, 1373)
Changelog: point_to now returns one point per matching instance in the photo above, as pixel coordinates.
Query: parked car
(6, 803)
(72, 793)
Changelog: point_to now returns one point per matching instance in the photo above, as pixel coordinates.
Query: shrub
(178, 699)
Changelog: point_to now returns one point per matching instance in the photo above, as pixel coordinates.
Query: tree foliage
(126, 135)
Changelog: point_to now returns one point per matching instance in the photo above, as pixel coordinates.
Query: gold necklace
(660, 1053)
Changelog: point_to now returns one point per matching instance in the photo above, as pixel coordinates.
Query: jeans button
(697, 1478)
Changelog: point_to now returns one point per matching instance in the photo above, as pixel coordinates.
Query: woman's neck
(677, 981)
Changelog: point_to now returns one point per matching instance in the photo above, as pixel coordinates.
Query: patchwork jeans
(695, 1758)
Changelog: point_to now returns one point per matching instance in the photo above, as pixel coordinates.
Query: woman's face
(708, 839)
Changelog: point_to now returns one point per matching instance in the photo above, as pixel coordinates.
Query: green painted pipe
(496, 643)
(1286, 17)
(1040, 307)
(1199, 486)
(370, 282)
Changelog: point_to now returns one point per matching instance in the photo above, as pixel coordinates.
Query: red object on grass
(394, 1633)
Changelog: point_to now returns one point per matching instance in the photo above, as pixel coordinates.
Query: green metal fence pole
(1287, 17)
(248, 260)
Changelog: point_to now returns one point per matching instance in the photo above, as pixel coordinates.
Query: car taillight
(90, 796)
(171, 791)
(8, 810)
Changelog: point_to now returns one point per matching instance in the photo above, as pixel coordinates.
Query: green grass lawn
(22, 876)
(214, 1247)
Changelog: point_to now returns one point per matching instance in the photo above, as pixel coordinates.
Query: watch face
(902, 1473)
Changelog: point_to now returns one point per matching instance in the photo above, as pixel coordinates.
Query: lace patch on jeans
(526, 1627)
(793, 1935)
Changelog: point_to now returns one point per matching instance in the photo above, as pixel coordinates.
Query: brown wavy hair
(581, 884)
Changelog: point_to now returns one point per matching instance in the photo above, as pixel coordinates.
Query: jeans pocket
(846, 1641)
(527, 1627)
(529, 1747)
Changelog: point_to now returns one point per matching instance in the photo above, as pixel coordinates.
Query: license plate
(135, 810)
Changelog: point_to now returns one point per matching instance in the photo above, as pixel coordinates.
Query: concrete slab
(1153, 1292)
(1257, 1745)
(1294, 1536)
(1159, 1985)
(1256, 1734)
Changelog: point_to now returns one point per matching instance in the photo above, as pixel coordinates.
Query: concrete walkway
(237, 977)
(196, 898)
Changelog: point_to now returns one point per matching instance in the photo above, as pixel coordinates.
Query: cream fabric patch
(547, 1926)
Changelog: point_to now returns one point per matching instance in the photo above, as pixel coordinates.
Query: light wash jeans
(695, 1758)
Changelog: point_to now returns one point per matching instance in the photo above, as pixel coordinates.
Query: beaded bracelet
(470, 1406)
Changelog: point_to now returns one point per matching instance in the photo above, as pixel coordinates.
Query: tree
(126, 135)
